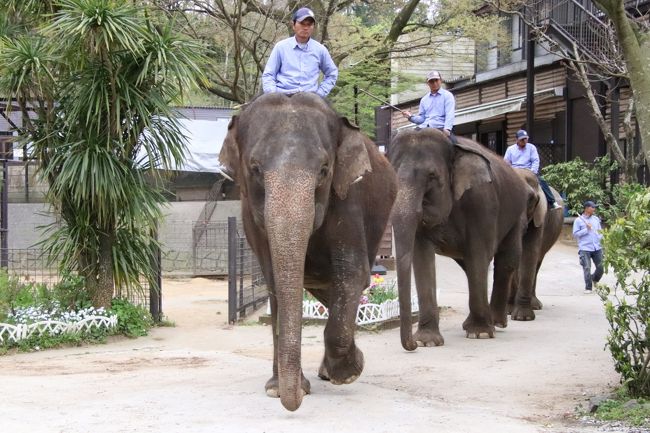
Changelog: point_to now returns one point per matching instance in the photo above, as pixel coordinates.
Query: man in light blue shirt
(296, 62)
(523, 154)
(437, 108)
(586, 230)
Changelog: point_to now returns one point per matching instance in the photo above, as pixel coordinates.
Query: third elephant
(543, 229)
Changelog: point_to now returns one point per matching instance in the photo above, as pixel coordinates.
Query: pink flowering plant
(379, 291)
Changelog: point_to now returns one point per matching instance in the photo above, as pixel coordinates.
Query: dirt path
(205, 376)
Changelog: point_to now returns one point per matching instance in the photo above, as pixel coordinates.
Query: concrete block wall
(24, 220)
(175, 231)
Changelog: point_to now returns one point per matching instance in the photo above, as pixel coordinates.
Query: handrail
(579, 23)
(557, 3)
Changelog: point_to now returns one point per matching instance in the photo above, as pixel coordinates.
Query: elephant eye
(256, 170)
(322, 175)
(434, 179)
(324, 171)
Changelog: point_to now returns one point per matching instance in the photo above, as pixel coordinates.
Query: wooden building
(491, 105)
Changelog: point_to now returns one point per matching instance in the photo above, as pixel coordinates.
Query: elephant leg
(321, 295)
(505, 266)
(479, 322)
(512, 292)
(343, 361)
(535, 303)
(272, 386)
(522, 309)
(424, 268)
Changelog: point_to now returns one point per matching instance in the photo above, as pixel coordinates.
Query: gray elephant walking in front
(462, 201)
(316, 196)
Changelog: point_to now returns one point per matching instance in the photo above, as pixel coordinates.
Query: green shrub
(10, 290)
(627, 305)
(621, 196)
(581, 181)
(65, 301)
(132, 320)
(621, 408)
(71, 292)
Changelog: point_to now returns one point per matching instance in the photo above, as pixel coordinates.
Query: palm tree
(100, 76)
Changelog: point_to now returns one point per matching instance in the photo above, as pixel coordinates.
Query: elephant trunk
(407, 213)
(289, 219)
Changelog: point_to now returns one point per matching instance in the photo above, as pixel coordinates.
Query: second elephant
(462, 201)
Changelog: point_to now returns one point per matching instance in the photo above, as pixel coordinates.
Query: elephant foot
(478, 328)
(500, 320)
(536, 304)
(522, 313)
(510, 307)
(342, 370)
(428, 337)
(272, 386)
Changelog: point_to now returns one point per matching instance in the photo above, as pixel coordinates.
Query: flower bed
(37, 321)
(378, 303)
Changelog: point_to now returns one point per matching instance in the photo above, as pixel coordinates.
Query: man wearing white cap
(523, 154)
(296, 62)
(437, 108)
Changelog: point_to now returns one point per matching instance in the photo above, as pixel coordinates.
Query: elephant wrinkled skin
(543, 229)
(462, 201)
(316, 196)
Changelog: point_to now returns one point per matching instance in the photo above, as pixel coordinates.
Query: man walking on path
(586, 230)
(296, 62)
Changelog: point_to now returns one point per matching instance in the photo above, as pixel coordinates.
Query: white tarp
(204, 140)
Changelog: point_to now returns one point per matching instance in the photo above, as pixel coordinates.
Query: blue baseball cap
(521, 134)
(303, 13)
(590, 203)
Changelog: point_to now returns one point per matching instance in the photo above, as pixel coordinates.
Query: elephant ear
(470, 169)
(352, 159)
(539, 214)
(537, 204)
(229, 155)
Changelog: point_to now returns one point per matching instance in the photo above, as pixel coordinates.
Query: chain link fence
(32, 266)
(247, 289)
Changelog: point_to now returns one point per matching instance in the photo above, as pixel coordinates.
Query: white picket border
(366, 313)
(15, 333)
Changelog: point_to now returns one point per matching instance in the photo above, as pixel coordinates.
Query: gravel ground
(205, 376)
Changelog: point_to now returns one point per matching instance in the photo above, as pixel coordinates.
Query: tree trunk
(635, 43)
(400, 21)
(611, 141)
(103, 285)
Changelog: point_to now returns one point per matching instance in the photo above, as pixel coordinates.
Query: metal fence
(221, 249)
(210, 248)
(32, 266)
(246, 286)
(550, 153)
